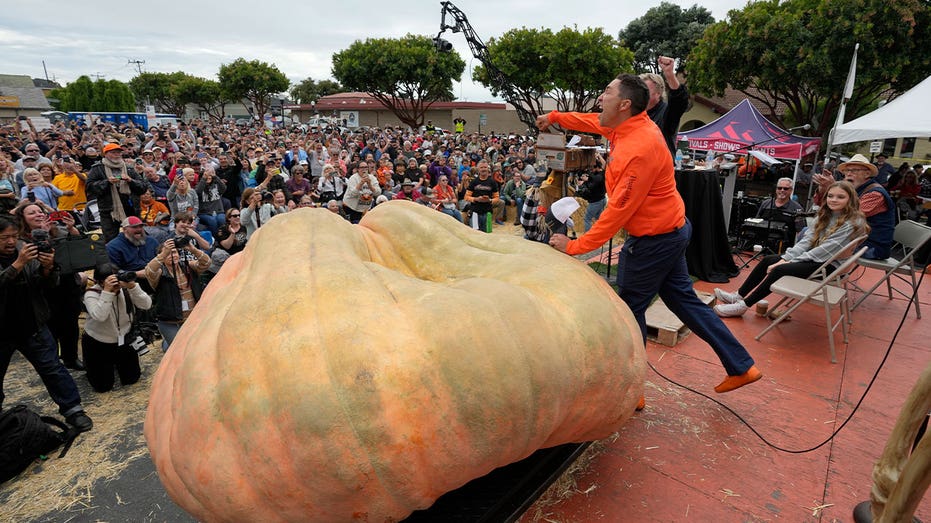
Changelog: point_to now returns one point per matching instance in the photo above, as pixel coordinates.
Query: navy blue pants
(40, 350)
(656, 264)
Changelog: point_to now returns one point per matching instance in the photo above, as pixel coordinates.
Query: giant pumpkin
(337, 372)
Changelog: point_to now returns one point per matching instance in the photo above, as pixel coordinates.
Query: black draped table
(709, 253)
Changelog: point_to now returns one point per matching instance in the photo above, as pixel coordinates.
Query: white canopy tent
(907, 115)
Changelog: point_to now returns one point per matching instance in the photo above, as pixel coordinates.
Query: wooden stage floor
(686, 458)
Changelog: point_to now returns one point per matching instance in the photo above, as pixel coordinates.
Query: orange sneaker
(641, 404)
(735, 382)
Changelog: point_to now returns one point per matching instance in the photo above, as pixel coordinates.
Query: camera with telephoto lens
(182, 242)
(40, 239)
(126, 276)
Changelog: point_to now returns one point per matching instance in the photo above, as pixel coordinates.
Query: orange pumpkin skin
(334, 372)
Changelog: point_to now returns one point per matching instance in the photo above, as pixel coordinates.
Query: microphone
(805, 127)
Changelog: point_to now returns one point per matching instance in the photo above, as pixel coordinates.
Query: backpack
(25, 436)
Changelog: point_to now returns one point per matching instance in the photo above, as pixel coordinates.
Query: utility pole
(138, 64)
(98, 75)
(46, 70)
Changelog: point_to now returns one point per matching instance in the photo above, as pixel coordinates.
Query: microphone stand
(748, 148)
(766, 249)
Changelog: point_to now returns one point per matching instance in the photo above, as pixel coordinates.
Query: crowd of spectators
(173, 202)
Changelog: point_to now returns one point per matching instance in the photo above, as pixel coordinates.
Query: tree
(101, 96)
(112, 95)
(522, 55)
(254, 80)
(205, 94)
(570, 66)
(582, 64)
(310, 90)
(406, 75)
(796, 53)
(665, 30)
(156, 89)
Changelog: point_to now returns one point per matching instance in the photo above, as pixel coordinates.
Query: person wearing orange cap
(116, 186)
(642, 198)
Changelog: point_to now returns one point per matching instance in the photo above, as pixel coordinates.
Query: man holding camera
(116, 186)
(174, 275)
(186, 234)
(24, 312)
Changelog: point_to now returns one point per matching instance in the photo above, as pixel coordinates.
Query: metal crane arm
(510, 93)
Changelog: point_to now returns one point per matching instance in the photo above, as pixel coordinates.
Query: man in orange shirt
(642, 198)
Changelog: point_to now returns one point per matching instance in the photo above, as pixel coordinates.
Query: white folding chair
(911, 236)
(824, 287)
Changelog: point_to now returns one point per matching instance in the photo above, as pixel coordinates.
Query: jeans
(656, 264)
(757, 285)
(40, 350)
(168, 330)
(593, 211)
(452, 212)
(518, 205)
(212, 221)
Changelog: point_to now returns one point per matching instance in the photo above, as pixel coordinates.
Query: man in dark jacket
(666, 108)
(24, 272)
(116, 186)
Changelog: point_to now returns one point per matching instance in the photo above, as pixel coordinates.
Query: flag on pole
(848, 94)
(848, 87)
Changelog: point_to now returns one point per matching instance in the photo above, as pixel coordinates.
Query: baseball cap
(112, 147)
(131, 221)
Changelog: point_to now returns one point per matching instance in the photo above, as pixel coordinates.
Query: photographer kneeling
(174, 275)
(111, 304)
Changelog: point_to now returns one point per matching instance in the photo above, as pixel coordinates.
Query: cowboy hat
(859, 159)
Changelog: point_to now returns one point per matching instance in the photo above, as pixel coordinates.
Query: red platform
(685, 458)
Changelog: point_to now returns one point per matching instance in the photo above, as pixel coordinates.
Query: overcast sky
(96, 37)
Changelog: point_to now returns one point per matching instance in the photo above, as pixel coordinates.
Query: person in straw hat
(875, 202)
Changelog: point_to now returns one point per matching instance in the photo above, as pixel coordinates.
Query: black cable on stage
(852, 412)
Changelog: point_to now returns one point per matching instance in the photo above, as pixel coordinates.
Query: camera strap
(130, 308)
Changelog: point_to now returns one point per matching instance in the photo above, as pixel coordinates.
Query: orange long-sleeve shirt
(640, 180)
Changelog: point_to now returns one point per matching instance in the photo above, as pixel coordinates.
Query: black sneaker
(80, 421)
(74, 364)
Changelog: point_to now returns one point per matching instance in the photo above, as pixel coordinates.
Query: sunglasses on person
(783, 188)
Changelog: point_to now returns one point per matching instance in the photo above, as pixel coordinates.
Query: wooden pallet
(664, 327)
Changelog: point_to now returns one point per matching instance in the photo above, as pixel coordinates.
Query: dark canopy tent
(744, 128)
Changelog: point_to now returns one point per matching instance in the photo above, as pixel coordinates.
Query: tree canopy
(203, 93)
(665, 30)
(570, 66)
(253, 80)
(405, 74)
(156, 89)
(310, 90)
(102, 95)
(797, 53)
